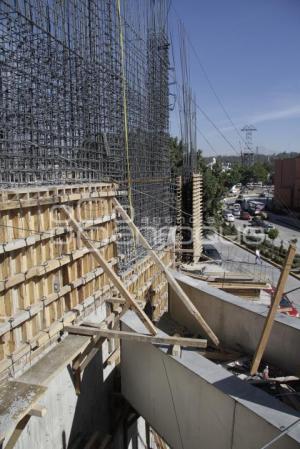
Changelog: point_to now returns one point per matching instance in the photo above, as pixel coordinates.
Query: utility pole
(273, 309)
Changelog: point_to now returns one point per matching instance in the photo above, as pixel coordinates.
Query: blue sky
(251, 52)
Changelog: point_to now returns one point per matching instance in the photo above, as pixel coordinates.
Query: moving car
(212, 253)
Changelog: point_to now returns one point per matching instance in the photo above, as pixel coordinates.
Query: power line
(208, 79)
(216, 127)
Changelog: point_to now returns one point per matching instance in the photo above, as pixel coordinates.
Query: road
(285, 234)
(236, 259)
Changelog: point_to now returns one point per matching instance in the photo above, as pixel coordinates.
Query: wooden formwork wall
(45, 270)
(47, 275)
(147, 282)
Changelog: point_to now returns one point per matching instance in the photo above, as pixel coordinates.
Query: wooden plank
(17, 432)
(114, 357)
(110, 273)
(56, 360)
(273, 310)
(51, 265)
(239, 285)
(142, 338)
(16, 400)
(176, 350)
(32, 202)
(115, 300)
(38, 410)
(172, 281)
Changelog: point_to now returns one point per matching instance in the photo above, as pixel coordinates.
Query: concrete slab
(238, 323)
(192, 402)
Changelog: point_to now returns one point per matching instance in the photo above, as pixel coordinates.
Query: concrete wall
(238, 323)
(193, 403)
(71, 419)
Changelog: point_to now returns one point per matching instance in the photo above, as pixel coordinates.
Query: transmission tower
(247, 153)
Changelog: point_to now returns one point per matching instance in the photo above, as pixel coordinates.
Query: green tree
(260, 172)
(234, 176)
(176, 156)
(273, 234)
(254, 173)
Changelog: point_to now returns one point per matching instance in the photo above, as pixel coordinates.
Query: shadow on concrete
(253, 396)
(93, 408)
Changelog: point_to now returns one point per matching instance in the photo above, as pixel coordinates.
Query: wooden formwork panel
(47, 275)
(45, 269)
(148, 282)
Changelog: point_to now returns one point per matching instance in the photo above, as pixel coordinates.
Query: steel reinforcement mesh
(71, 71)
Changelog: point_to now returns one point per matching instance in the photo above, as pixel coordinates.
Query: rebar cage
(76, 75)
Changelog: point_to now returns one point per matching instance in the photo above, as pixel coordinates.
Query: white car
(229, 217)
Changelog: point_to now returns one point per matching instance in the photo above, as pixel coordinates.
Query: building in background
(287, 183)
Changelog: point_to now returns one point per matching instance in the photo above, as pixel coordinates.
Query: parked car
(212, 253)
(245, 215)
(228, 217)
(257, 222)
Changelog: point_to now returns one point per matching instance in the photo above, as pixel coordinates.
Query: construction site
(111, 337)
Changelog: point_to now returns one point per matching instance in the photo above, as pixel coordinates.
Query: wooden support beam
(239, 285)
(142, 338)
(114, 357)
(38, 410)
(115, 300)
(110, 272)
(160, 444)
(17, 432)
(273, 310)
(172, 281)
(176, 350)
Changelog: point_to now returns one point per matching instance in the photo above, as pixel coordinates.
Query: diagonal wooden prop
(172, 281)
(110, 272)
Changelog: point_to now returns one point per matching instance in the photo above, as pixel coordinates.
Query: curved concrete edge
(238, 322)
(192, 402)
